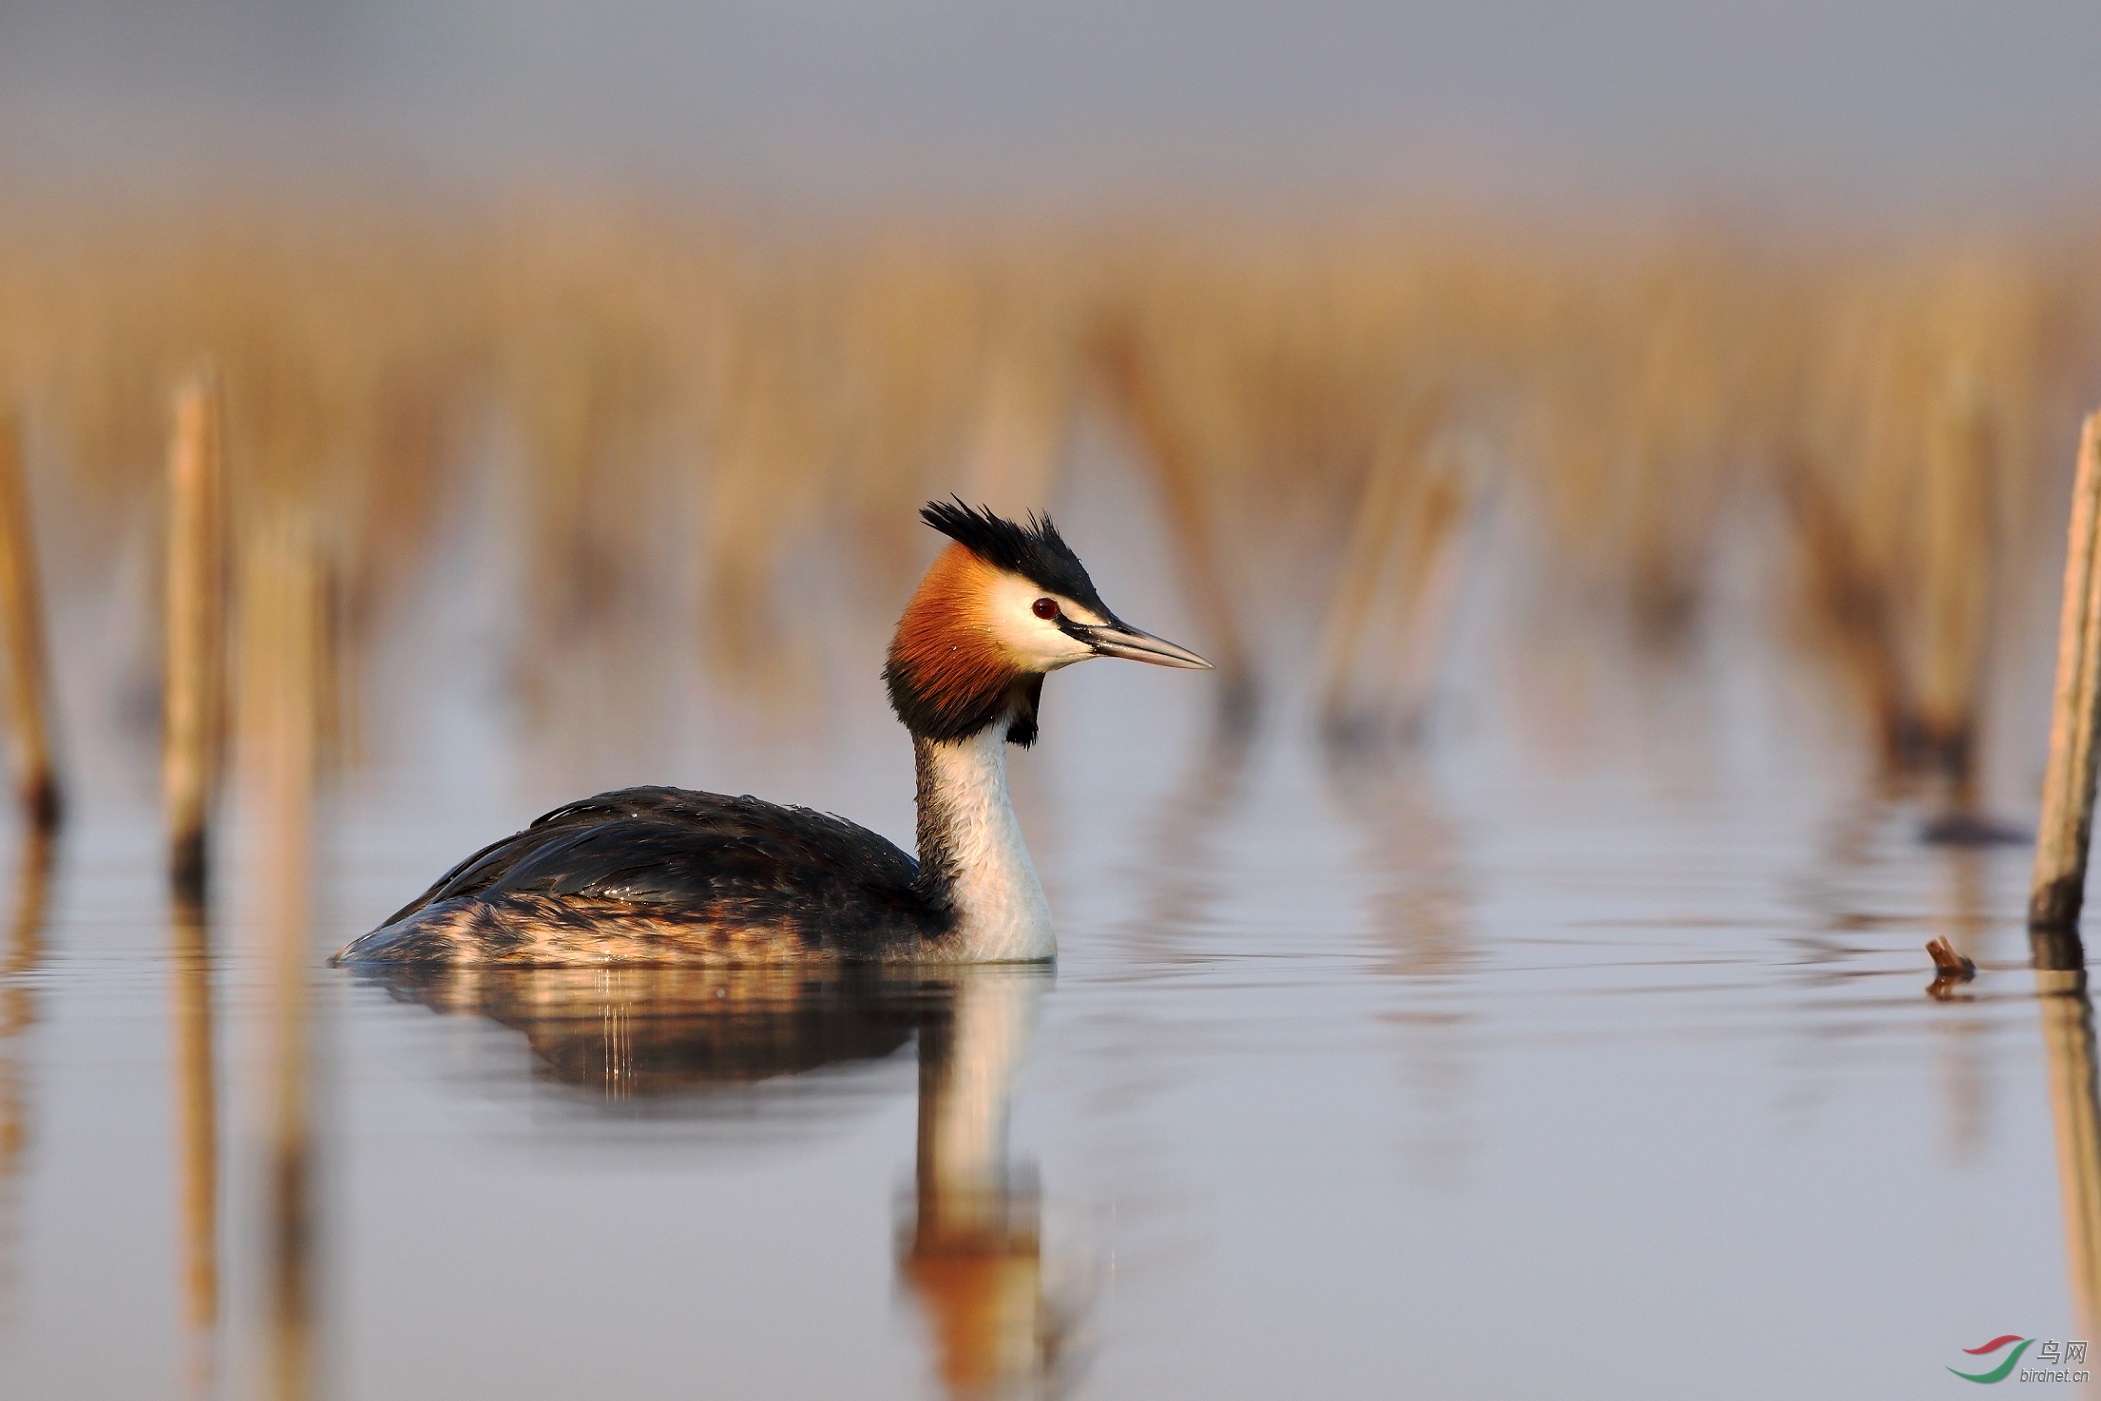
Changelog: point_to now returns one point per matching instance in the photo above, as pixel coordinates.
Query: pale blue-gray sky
(1945, 101)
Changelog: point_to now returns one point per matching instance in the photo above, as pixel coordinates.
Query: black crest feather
(1035, 551)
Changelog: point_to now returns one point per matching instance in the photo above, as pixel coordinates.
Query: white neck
(970, 850)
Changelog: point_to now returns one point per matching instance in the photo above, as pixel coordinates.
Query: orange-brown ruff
(948, 644)
(668, 876)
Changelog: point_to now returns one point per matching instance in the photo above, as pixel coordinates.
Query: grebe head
(1002, 606)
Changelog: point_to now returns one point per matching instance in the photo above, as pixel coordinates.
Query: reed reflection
(970, 1251)
(2068, 1040)
(285, 637)
(197, 1138)
(18, 1014)
(1420, 909)
(1419, 915)
(1184, 850)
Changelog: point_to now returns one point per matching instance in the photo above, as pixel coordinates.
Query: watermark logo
(2000, 1372)
(2054, 1360)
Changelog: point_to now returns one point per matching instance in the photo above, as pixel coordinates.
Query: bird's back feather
(667, 875)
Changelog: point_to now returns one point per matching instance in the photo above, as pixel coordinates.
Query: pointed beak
(1123, 640)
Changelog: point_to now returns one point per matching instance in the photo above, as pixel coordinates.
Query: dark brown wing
(670, 847)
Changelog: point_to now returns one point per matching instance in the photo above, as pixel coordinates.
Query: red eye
(1045, 609)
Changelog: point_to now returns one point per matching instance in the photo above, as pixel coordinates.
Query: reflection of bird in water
(970, 1251)
(661, 875)
(973, 1251)
(627, 1033)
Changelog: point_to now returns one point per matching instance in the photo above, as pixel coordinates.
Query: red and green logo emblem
(2004, 1369)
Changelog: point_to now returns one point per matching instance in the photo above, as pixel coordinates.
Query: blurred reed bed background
(710, 422)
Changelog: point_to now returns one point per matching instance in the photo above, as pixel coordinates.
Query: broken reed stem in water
(196, 600)
(2068, 783)
(282, 641)
(21, 613)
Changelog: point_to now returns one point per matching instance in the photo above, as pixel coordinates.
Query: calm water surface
(1570, 1066)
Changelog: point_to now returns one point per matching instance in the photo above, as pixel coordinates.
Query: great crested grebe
(663, 875)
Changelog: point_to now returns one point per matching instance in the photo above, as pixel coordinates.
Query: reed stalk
(194, 685)
(1180, 477)
(1630, 382)
(1400, 560)
(2059, 887)
(1019, 436)
(1957, 550)
(21, 614)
